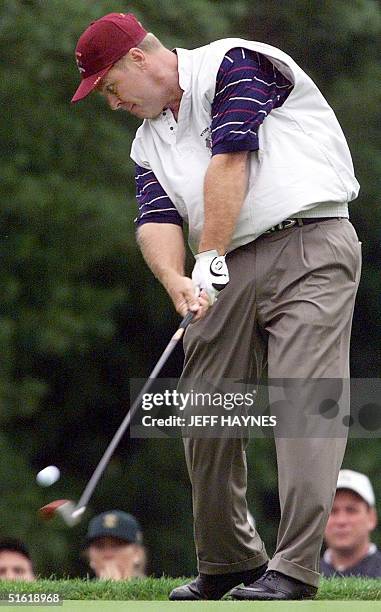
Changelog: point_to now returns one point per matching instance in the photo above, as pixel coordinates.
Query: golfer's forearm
(225, 188)
(162, 246)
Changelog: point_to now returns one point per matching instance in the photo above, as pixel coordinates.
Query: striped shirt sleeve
(248, 87)
(154, 206)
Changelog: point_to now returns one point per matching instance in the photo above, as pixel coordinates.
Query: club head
(77, 513)
(65, 508)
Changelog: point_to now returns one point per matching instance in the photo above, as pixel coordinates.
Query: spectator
(15, 561)
(114, 546)
(353, 517)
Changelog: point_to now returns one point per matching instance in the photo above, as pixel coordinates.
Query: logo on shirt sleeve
(207, 136)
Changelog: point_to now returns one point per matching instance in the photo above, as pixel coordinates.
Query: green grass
(156, 589)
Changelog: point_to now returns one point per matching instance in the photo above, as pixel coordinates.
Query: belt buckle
(288, 223)
(281, 226)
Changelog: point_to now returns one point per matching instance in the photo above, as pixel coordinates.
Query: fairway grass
(158, 589)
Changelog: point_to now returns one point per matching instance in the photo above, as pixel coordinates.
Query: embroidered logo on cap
(110, 521)
(78, 60)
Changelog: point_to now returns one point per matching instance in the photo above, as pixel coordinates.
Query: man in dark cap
(114, 546)
(15, 561)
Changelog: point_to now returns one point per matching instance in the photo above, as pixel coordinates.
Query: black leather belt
(290, 222)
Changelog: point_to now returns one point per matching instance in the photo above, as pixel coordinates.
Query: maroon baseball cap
(103, 43)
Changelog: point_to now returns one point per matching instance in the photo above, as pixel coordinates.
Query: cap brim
(89, 540)
(88, 84)
(366, 498)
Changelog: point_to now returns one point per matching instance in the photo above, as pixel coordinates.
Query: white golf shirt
(303, 165)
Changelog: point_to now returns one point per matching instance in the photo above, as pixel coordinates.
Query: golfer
(239, 145)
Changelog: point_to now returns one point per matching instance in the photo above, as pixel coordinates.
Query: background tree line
(80, 314)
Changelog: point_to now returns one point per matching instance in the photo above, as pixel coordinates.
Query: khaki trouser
(289, 304)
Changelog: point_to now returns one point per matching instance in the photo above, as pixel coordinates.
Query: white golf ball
(48, 476)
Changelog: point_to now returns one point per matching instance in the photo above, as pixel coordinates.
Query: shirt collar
(327, 557)
(184, 67)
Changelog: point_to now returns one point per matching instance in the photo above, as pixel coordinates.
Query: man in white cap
(353, 517)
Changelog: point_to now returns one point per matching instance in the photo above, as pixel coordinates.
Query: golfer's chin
(150, 113)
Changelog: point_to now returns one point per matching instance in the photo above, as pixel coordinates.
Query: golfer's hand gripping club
(210, 273)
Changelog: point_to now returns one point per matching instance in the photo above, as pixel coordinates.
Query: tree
(80, 313)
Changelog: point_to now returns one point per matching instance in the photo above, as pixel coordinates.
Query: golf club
(72, 513)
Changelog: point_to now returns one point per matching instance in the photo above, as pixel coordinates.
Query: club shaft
(89, 489)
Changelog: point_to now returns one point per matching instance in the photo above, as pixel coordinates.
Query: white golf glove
(210, 273)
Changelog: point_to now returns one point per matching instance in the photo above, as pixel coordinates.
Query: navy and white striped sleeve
(248, 87)
(153, 203)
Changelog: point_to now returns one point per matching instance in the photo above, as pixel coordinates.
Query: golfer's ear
(137, 56)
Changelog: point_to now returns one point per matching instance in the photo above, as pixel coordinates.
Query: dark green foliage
(79, 312)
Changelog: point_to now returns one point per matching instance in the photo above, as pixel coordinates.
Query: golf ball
(48, 476)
